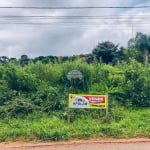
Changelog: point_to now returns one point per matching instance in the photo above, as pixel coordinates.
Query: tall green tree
(142, 43)
(105, 51)
(4, 59)
(24, 60)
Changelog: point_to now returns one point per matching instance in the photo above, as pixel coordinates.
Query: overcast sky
(68, 38)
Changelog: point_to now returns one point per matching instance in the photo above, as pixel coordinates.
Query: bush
(19, 80)
(136, 85)
(18, 107)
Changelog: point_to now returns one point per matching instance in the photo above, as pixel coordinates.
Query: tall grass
(122, 123)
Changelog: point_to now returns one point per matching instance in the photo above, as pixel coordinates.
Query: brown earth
(110, 144)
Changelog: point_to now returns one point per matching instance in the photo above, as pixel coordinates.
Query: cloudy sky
(57, 35)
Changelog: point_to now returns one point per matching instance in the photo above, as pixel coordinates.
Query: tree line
(106, 52)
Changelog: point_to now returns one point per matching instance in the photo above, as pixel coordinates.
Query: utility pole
(132, 31)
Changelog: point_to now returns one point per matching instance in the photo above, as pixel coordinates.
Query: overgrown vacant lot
(122, 123)
(34, 100)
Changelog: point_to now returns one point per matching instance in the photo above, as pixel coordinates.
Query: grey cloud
(62, 39)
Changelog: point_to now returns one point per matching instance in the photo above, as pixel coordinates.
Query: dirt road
(132, 144)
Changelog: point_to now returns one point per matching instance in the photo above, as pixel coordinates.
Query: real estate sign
(88, 101)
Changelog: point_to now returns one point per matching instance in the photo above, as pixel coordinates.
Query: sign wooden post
(68, 115)
(107, 109)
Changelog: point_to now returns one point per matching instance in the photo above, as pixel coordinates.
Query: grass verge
(122, 123)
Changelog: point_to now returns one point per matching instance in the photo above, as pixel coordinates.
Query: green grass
(122, 123)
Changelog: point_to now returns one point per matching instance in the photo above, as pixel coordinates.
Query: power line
(139, 20)
(80, 23)
(89, 27)
(74, 19)
(92, 26)
(148, 15)
(78, 17)
(74, 7)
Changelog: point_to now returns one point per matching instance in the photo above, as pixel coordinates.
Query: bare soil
(109, 144)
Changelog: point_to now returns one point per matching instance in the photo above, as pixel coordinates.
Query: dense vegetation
(34, 93)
